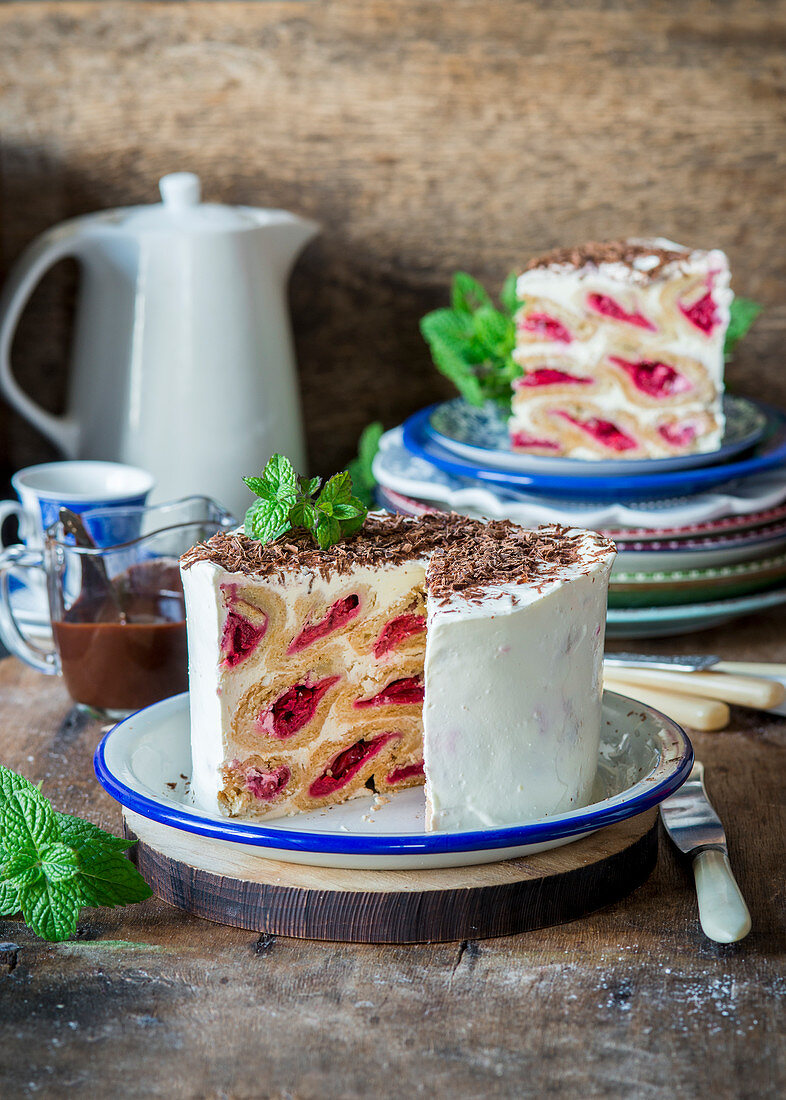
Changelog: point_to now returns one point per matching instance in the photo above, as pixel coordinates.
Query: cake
(621, 345)
(443, 650)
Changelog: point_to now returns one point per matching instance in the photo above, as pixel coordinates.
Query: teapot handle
(50, 247)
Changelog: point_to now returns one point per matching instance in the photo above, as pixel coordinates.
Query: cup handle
(9, 508)
(20, 558)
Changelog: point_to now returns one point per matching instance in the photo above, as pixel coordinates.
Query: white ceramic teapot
(182, 358)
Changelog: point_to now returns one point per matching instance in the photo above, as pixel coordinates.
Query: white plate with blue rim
(145, 761)
(480, 435)
(407, 474)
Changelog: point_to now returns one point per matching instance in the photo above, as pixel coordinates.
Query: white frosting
(513, 697)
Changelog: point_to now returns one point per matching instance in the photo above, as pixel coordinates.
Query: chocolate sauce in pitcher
(124, 647)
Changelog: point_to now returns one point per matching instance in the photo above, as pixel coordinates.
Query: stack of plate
(701, 538)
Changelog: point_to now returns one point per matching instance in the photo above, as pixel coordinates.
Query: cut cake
(463, 654)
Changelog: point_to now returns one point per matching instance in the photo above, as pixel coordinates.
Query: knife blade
(696, 830)
(692, 663)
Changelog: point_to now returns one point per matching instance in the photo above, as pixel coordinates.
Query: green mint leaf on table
(743, 312)
(360, 469)
(472, 342)
(52, 864)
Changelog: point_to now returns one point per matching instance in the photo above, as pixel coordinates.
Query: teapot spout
(287, 235)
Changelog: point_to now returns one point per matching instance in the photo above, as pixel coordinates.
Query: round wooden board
(201, 876)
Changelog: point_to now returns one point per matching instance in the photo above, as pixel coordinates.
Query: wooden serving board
(201, 876)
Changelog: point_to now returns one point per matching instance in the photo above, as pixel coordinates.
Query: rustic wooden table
(630, 1002)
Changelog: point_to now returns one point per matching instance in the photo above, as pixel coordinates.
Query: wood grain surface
(424, 136)
(629, 1002)
(237, 887)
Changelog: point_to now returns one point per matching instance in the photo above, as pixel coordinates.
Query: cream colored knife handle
(723, 913)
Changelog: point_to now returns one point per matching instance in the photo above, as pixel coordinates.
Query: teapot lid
(181, 210)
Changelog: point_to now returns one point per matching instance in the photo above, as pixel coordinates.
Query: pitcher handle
(29, 269)
(21, 558)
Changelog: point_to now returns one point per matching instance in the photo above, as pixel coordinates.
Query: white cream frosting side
(513, 689)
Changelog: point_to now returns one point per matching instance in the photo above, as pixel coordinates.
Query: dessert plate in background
(663, 622)
(395, 468)
(720, 527)
(143, 762)
(695, 585)
(480, 435)
(664, 555)
(771, 452)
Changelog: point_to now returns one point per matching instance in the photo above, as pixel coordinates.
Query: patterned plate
(695, 585)
(396, 469)
(481, 436)
(770, 453)
(663, 622)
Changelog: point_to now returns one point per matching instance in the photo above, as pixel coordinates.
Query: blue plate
(480, 435)
(144, 761)
(769, 453)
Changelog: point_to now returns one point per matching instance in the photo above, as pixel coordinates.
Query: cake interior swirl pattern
(443, 650)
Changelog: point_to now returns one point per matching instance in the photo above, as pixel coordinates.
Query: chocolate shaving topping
(594, 253)
(466, 555)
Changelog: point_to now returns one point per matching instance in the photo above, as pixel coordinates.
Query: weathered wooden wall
(423, 135)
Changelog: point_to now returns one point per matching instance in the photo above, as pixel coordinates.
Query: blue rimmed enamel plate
(144, 763)
(480, 435)
(770, 452)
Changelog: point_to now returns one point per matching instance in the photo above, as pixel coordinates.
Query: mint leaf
(509, 296)
(78, 833)
(52, 864)
(360, 469)
(495, 331)
(107, 878)
(466, 293)
(337, 490)
(11, 782)
(742, 313)
(268, 518)
(449, 339)
(50, 909)
(328, 530)
(27, 822)
(308, 485)
(9, 900)
(304, 514)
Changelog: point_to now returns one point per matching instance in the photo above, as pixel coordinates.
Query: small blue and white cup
(80, 485)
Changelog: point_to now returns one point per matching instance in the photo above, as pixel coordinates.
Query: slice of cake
(622, 350)
(445, 650)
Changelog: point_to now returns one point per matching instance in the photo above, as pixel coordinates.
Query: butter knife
(696, 830)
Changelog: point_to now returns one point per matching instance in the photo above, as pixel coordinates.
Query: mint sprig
(360, 469)
(742, 313)
(472, 342)
(52, 864)
(288, 502)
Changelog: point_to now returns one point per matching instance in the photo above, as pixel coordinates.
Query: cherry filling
(606, 305)
(679, 435)
(409, 771)
(702, 314)
(240, 638)
(521, 439)
(653, 377)
(336, 616)
(267, 785)
(397, 692)
(294, 709)
(394, 632)
(347, 764)
(606, 432)
(547, 326)
(550, 376)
